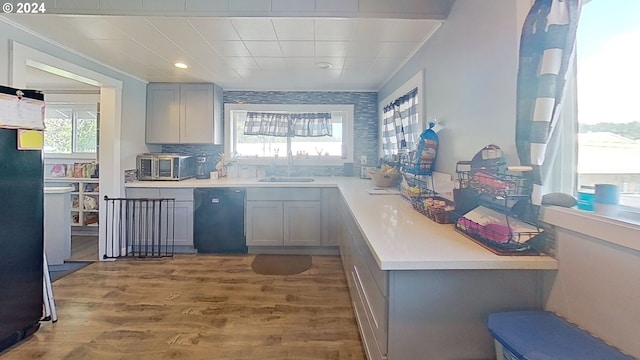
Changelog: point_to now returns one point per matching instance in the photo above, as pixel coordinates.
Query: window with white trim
(607, 77)
(329, 150)
(71, 129)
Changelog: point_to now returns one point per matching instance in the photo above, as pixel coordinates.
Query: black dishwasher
(218, 225)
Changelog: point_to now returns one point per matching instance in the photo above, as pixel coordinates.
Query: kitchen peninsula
(419, 289)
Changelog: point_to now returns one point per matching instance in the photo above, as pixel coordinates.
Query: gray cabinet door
(183, 223)
(183, 220)
(264, 223)
(302, 223)
(163, 114)
(330, 216)
(196, 114)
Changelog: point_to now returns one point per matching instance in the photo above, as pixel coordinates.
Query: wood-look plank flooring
(197, 307)
(84, 248)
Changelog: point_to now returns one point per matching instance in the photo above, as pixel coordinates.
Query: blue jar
(586, 197)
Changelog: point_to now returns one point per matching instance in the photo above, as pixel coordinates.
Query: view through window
(312, 150)
(608, 76)
(261, 146)
(70, 129)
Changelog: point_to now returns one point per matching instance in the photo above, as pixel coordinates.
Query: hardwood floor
(198, 307)
(84, 248)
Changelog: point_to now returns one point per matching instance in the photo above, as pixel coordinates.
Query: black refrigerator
(21, 226)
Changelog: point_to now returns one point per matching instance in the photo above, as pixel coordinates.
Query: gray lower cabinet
(330, 216)
(368, 286)
(284, 217)
(428, 314)
(302, 223)
(183, 210)
(265, 225)
(183, 223)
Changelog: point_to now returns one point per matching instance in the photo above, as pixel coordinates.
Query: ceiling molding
(390, 9)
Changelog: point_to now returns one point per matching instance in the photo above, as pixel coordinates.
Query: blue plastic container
(542, 335)
(586, 198)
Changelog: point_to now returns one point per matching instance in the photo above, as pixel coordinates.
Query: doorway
(25, 60)
(71, 153)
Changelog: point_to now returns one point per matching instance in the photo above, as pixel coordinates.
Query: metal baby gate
(139, 227)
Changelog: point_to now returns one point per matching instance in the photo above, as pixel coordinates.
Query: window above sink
(334, 150)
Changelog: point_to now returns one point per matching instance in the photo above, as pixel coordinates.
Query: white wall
(122, 98)
(597, 287)
(470, 66)
(133, 90)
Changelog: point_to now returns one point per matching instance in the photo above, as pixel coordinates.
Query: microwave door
(165, 168)
(146, 168)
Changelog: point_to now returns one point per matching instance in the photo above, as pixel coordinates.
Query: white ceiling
(242, 53)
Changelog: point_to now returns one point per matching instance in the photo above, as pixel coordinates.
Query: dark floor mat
(280, 264)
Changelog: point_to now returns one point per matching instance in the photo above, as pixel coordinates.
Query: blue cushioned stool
(542, 335)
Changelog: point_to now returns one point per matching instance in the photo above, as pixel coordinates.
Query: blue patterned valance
(288, 124)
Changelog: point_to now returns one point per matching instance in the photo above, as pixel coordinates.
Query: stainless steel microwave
(165, 166)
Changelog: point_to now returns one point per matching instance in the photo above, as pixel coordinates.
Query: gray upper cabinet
(184, 114)
(163, 114)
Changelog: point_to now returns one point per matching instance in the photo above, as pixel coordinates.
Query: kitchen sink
(285, 179)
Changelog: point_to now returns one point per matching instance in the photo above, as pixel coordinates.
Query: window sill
(73, 156)
(620, 231)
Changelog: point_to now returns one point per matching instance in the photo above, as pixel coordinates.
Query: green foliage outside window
(70, 130)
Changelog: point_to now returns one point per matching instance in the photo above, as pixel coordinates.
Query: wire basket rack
(416, 186)
(486, 181)
(436, 208)
(502, 201)
(501, 238)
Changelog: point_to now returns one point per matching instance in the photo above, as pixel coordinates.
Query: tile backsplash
(211, 151)
(365, 124)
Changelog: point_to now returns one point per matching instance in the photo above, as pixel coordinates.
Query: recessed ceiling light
(323, 65)
(181, 65)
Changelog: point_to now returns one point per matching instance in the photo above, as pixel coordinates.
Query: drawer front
(151, 193)
(381, 277)
(375, 347)
(284, 194)
(178, 194)
(375, 304)
(143, 193)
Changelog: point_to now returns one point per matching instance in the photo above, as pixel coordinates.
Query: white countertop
(399, 237)
(319, 181)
